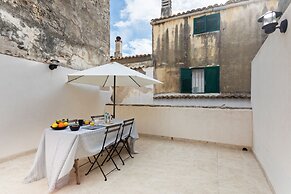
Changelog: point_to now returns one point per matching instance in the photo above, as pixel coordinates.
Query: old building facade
(208, 50)
(74, 32)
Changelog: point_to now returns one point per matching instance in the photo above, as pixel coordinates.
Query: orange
(61, 125)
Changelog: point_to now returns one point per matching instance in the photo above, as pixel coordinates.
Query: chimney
(166, 10)
(118, 47)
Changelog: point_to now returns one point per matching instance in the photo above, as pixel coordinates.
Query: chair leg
(107, 158)
(121, 147)
(105, 178)
(92, 164)
(109, 154)
(115, 150)
(128, 148)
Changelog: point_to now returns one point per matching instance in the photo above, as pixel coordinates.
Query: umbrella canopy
(104, 76)
(111, 74)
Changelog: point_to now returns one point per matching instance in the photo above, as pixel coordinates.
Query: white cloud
(122, 24)
(139, 10)
(138, 46)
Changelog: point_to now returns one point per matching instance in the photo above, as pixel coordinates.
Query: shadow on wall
(33, 96)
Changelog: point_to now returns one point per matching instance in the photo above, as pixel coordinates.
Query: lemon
(54, 125)
(87, 122)
(66, 124)
(92, 123)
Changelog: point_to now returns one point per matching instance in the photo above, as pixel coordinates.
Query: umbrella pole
(114, 85)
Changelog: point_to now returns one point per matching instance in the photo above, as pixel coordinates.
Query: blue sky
(130, 19)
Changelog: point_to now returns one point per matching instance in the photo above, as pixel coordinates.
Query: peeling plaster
(25, 35)
(75, 32)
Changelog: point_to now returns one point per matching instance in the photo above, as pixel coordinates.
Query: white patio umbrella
(111, 74)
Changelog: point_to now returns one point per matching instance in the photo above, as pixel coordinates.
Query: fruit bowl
(75, 127)
(58, 128)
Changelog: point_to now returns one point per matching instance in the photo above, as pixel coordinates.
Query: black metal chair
(111, 136)
(124, 137)
(97, 117)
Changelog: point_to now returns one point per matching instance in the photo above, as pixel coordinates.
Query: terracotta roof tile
(130, 57)
(195, 96)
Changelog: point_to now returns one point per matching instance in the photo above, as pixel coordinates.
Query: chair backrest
(111, 134)
(127, 128)
(96, 116)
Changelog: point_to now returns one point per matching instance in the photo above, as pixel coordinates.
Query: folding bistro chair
(124, 137)
(111, 137)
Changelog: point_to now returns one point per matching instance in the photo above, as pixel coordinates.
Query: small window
(200, 25)
(202, 80)
(207, 23)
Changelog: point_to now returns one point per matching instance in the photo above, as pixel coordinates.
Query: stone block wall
(75, 32)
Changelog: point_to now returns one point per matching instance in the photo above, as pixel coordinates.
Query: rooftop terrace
(162, 166)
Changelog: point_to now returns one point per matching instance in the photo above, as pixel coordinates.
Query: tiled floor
(162, 166)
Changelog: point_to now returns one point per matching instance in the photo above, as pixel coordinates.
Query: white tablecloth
(59, 148)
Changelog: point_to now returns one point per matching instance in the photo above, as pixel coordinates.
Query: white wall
(227, 126)
(33, 96)
(271, 102)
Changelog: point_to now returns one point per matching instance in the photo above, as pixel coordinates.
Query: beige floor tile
(163, 166)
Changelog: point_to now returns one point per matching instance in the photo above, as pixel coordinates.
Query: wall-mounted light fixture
(54, 64)
(270, 22)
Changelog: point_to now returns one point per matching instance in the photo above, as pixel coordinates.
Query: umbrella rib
(105, 81)
(75, 78)
(134, 81)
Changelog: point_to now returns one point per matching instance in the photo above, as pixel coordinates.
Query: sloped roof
(130, 57)
(195, 96)
(200, 9)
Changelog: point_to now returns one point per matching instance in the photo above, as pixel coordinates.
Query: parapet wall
(226, 126)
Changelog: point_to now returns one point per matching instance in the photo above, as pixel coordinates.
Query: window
(207, 23)
(198, 81)
(201, 80)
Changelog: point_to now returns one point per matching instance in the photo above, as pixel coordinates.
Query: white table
(59, 149)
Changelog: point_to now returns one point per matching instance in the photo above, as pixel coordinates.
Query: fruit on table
(61, 125)
(92, 123)
(55, 125)
(87, 122)
(66, 124)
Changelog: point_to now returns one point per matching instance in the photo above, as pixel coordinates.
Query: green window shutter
(200, 25)
(213, 22)
(186, 80)
(211, 75)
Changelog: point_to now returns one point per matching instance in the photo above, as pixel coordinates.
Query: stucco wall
(233, 47)
(32, 97)
(75, 32)
(227, 126)
(271, 94)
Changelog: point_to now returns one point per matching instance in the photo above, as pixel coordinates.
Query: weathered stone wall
(75, 32)
(233, 47)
